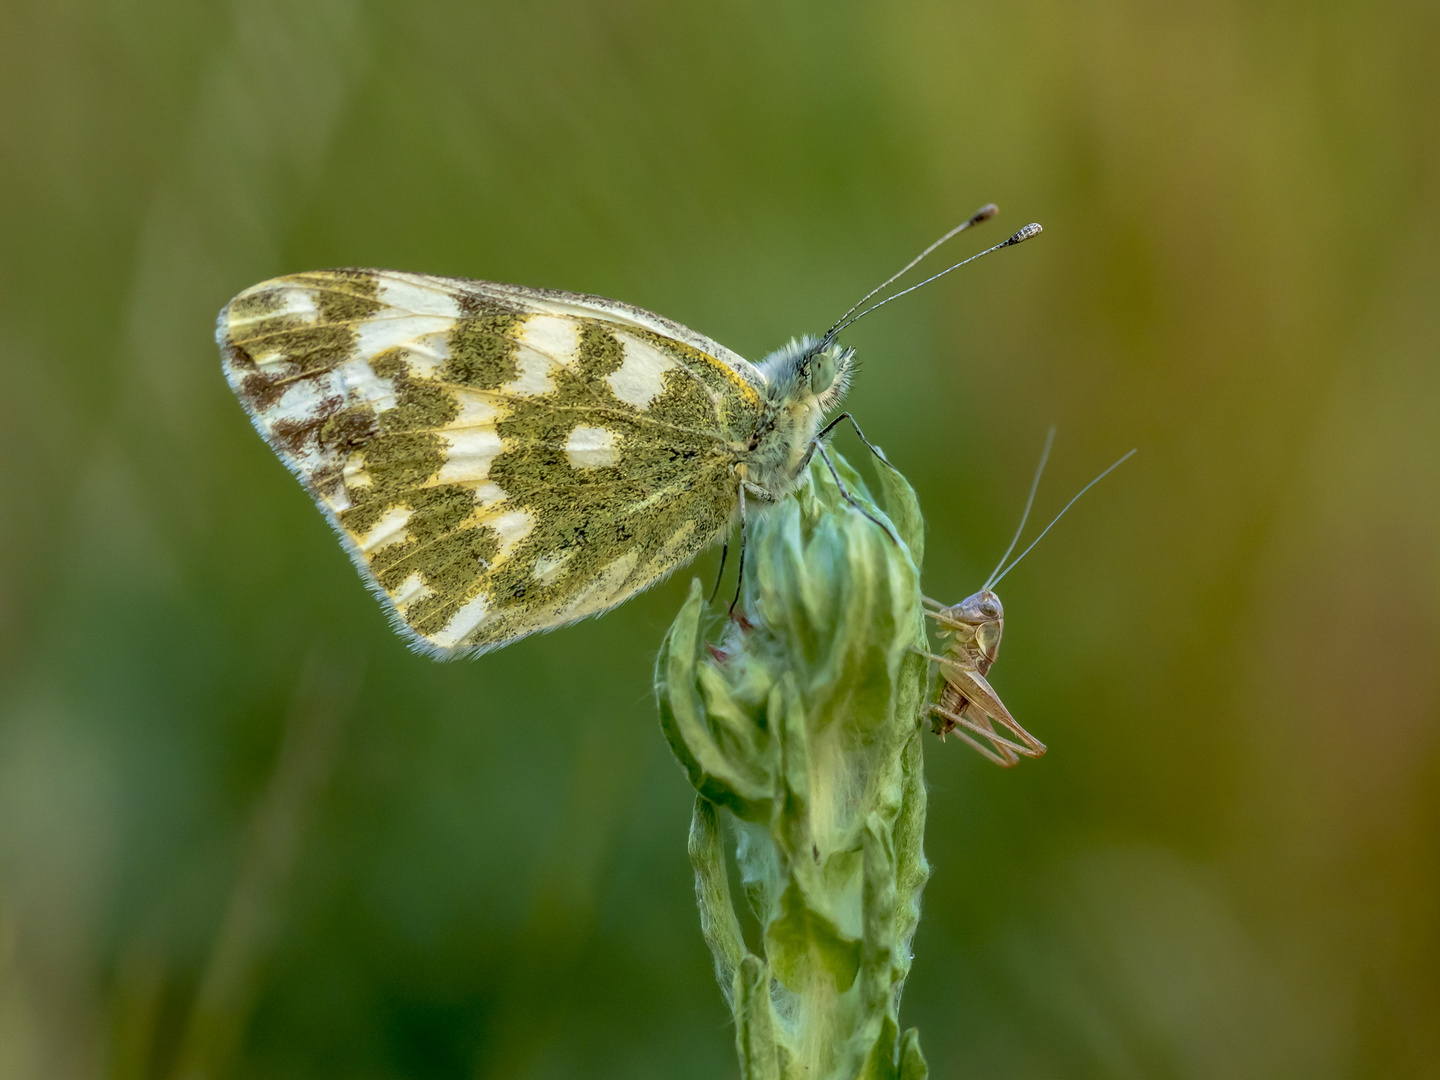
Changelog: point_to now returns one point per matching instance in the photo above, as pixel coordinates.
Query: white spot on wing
(511, 527)
(302, 403)
(411, 589)
(476, 409)
(489, 493)
(359, 383)
(426, 354)
(272, 361)
(302, 399)
(551, 336)
(547, 567)
(413, 293)
(591, 448)
(641, 377)
(387, 329)
(356, 475)
(471, 451)
(534, 377)
(390, 529)
(470, 615)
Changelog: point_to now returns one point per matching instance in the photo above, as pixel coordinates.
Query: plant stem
(802, 730)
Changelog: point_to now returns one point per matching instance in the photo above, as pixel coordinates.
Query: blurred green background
(244, 832)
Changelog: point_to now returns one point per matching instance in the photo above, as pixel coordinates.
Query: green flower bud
(805, 724)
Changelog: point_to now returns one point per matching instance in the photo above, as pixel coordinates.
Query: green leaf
(755, 1022)
(912, 1061)
(740, 785)
(801, 935)
(712, 893)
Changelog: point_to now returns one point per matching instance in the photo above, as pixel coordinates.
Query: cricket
(968, 706)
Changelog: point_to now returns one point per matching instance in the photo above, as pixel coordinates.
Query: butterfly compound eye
(823, 368)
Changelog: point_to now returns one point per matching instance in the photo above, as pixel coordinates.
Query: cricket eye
(990, 608)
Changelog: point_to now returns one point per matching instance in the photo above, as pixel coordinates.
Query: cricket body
(968, 703)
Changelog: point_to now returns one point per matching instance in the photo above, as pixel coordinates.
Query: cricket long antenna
(1034, 486)
(1024, 234)
(1058, 516)
(985, 213)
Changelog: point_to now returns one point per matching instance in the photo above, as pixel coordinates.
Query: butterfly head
(802, 381)
(809, 373)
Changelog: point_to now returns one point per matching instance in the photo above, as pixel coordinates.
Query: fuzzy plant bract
(800, 730)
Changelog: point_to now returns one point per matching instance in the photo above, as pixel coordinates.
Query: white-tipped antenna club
(985, 213)
(1022, 235)
(1033, 229)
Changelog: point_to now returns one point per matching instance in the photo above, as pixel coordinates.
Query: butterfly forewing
(499, 460)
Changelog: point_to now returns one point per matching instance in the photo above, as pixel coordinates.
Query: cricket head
(984, 612)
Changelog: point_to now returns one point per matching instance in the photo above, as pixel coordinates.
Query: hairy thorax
(780, 448)
(803, 380)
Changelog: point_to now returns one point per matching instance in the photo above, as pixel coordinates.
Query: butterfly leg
(845, 494)
(720, 574)
(869, 445)
(815, 444)
(740, 574)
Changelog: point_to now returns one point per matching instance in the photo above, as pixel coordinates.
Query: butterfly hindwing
(498, 460)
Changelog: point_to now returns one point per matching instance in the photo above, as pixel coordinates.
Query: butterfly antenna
(1024, 234)
(1034, 486)
(985, 213)
(1058, 516)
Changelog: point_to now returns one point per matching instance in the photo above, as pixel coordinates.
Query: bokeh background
(245, 833)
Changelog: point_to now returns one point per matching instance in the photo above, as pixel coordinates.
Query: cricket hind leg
(1001, 750)
(1032, 747)
(1027, 746)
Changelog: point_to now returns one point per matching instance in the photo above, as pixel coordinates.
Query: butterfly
(969, 705)
(498, 459)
